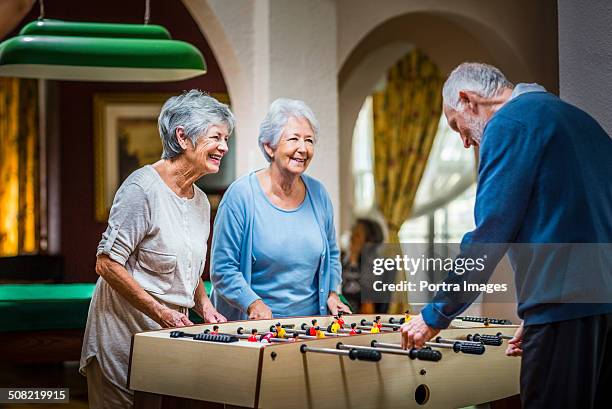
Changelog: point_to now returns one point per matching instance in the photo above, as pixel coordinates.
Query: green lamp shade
(98, 52)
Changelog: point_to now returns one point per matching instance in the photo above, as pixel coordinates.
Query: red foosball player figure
(267, 338)
(335, 325)
(215, 330)
(312, 330)
(280, 331)
(319, 333)
(353, 328)
(253, 337)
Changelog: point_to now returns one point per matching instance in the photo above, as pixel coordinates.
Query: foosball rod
(452, 341)
(494, 340)
(305, 329)
(486, 321)
(384, 324)
(360, 354)
(242, 335)
(302, 334)
(471, 348)
(421, 354)
(344, 330)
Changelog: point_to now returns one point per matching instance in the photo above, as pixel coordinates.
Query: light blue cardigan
(232, 247)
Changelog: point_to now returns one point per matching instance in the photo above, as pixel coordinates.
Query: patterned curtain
(406, 116)
(19, 166)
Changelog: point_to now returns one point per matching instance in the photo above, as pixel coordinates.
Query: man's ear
(181, 137)
(470, 100)
(269, 151)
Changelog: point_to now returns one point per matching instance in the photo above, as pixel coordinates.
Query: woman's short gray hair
(280, 111)
(195, 111)
(483, 79)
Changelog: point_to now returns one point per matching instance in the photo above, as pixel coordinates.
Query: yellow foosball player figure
(407, 316)
(319, 333)
(253, 337)
(335, 325)
(280, 331)
(378, 322)
(374, 329)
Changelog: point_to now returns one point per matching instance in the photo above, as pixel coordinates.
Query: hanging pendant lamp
(77, 51)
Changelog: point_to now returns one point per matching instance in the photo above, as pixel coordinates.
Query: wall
(277, 48)
(79, 232)
(585, 57)
(520, 37)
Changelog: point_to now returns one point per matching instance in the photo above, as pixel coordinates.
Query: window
(363, 158)
(444, 203)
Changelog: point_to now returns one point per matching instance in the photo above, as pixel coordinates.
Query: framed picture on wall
(125, 139)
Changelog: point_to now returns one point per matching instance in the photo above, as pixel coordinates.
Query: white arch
(233, 51)
(446, 33)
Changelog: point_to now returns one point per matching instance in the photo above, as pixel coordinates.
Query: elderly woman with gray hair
(274, 249)
(152, 254)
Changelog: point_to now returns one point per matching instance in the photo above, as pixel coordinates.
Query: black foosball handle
(426, 354)
(492, 321)
(365, 355)
(177, 334)
(475, 349)
(225, 339)
(486, 339)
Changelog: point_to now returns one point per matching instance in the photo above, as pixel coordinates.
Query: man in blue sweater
(545, 176)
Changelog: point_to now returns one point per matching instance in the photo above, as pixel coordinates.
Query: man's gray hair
(195, 111)
(280, 111)
(483, 79)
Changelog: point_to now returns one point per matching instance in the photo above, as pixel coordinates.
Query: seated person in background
(274, 249)
(364, 232)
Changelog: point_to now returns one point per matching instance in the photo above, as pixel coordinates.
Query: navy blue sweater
(545, 176)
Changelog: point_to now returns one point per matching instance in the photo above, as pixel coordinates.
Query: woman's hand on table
(169, 318)
(258, 310)
(211, 315)
(335, 305)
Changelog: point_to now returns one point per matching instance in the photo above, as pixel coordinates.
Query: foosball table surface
(307, 374)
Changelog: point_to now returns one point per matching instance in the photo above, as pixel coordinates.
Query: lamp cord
(147, 15)
(42, 9)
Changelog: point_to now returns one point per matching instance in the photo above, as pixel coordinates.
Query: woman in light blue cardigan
(274, 249)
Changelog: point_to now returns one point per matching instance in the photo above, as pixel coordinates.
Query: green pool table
(45, 322)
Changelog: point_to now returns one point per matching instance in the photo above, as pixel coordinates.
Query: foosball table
(322, 362)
